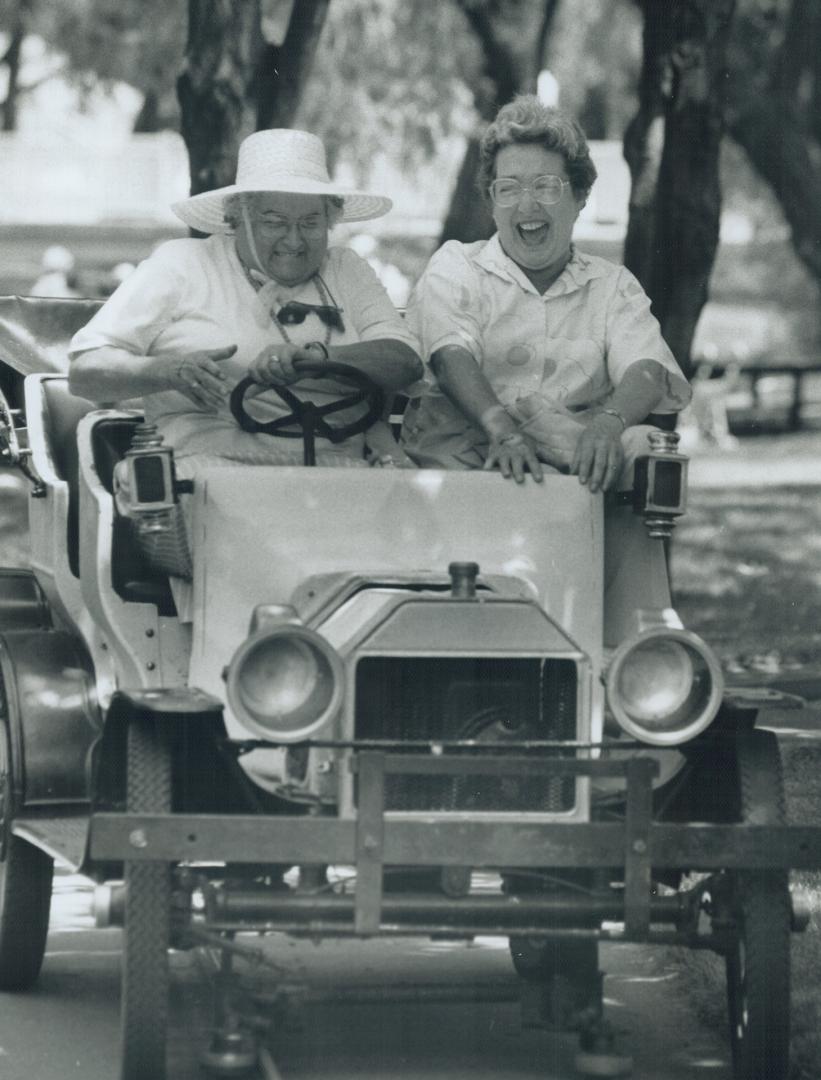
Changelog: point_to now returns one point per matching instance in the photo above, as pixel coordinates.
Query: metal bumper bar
(373, 840)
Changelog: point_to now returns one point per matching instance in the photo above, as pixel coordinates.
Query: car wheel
(25, 892)
(145, 973)
(758, 962)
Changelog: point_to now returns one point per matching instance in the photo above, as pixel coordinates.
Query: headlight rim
(235, 696)
(682, 734)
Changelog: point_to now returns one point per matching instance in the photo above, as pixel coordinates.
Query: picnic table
(754, 371)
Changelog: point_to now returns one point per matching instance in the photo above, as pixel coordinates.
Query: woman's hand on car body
(513, 454)
(599, 454)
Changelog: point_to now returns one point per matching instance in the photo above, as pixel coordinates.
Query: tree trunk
(513, 38)
(11, 58)
(283, 69)
(773, 115)
(147, 119)
(468, 217)
(222, 51)
(777, 146)
(234, 83)
(672, 148)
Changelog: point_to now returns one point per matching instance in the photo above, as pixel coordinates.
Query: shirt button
(519, 355)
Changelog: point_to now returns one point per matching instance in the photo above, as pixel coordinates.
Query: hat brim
(205, 212)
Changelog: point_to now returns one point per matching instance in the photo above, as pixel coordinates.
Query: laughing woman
(539, 353)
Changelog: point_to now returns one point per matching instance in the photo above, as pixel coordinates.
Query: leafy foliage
(381, 77)
(139, 42)
(594, 51)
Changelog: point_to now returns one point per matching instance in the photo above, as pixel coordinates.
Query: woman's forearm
(390, 363)
(641, 389)
(462, 381)
(110, 374)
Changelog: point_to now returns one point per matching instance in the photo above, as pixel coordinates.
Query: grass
(747, 574)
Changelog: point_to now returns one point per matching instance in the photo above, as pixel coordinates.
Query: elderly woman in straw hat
(261, 293)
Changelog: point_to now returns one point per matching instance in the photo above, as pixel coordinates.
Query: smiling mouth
(533, 232)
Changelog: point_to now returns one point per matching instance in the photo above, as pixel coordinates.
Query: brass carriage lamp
(153, 488)
(660, 484)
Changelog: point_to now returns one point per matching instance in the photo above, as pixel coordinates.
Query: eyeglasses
(295, 312)
(546, 190)
(307, 227)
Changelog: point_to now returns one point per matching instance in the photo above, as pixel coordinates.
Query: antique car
(399, 672)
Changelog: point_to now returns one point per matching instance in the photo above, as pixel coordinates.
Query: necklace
(321, 288)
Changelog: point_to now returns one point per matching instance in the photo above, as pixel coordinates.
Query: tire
(25, 891)
(758, 963)
(145, 972)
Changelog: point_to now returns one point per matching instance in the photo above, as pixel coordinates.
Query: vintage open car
(398, 672)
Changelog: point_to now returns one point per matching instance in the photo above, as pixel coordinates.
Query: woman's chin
(536, 259)
(290, 271)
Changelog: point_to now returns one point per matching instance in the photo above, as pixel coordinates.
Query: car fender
(52, 715)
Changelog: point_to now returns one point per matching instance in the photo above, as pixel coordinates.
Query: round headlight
(285, 682)
(664, 686)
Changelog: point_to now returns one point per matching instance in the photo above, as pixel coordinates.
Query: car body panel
(384, 522)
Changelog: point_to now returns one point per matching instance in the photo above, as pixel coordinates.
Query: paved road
(68, 1026)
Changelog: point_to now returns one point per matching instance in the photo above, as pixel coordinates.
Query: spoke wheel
(25, 891)
(758, 963)
(145, 975)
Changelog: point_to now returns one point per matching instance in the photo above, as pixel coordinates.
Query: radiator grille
(494, 701)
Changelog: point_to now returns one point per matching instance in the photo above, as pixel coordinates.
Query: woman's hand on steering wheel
(307, 418)
(275, 365)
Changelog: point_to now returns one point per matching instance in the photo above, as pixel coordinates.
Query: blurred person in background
(117, 276)
(540, 355)
(57, 277)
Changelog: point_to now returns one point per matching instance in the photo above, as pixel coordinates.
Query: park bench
(797, 371)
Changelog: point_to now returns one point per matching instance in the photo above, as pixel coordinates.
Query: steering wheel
(306, 419)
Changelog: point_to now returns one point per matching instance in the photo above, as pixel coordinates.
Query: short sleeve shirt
(193, 294)
(571, 344)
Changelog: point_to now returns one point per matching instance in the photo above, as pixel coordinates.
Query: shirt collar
(579, 270)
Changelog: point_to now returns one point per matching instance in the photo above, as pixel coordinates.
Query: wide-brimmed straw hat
(279, 159)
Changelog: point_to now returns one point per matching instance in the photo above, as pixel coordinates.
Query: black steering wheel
(306, 419)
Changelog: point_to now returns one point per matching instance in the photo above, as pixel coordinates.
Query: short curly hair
(334, 207)
(525, 120)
